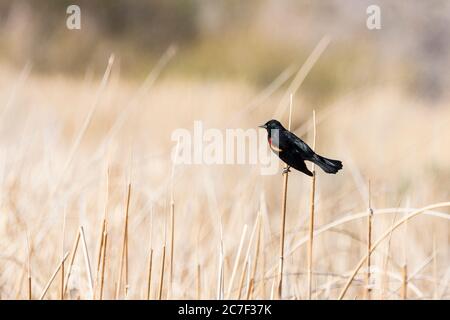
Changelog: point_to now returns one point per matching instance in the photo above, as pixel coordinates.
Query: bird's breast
(273, 146)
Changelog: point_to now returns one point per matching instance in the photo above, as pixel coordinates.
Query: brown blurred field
(71, 144)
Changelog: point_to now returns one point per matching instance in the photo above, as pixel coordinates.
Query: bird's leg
(286, 169)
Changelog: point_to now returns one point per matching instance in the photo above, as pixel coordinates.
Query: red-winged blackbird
(293, 151)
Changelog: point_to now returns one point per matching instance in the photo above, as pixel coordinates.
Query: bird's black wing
(298, 145)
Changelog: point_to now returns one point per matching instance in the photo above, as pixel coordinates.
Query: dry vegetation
(86, 178)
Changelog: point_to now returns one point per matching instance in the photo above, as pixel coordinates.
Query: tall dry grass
(59, 136)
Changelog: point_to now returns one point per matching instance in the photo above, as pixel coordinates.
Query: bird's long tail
(327, 165)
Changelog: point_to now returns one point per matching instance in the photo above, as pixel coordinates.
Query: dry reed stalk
(102, 277)
(283, 215)
(250, 289)
(249, 282)
(257, 101)
(435, 293)
(18, 284)
(263, 258)
(62, 251)
(353, 217)
(220, 278)
(149, 274)
(28, 268)
(99, 255)
(161, 277)
(103, 230)
(383, 236)
(100, 245)
(87, 263)
(255, 265)
(311, 213)
(369, 245)
(302, 73)
(404, 294)
(282, 233)
(199, 282)
(241, 282)
(47, 286)
(18, 84)
(172, 218)
(404, 291)
(272, 290)
(236, 261)
(124, 254)
(247, 263)
(384, 280)
(150, 258)
(72, 259)
(150, 79)
(86, 123)
(172, 239)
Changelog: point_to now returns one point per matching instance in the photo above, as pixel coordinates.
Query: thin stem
(236, 261)
(199, 282)
(87, 263)
(47, 286)
(102, 278)
(404, 282)
(123, 269)
(172, 239)
(72, 258)
(255, 265)
(62, 251)
(369, 245)
(149, 274)
(103, 230)
(311, 214)
(28, 267)
(161, 278)
(283, 216)
(386, 234)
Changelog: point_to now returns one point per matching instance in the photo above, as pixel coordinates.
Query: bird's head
(272, 125)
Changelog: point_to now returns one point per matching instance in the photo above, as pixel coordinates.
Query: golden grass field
(72, 149)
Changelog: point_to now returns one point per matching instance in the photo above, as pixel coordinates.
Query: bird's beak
(263, 126)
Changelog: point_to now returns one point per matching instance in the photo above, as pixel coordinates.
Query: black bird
(293, 151)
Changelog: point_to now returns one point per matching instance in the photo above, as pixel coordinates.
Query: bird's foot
(286, 170)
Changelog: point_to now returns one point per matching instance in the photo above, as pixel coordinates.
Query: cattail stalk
(62, 252)
(283, 216)
(149, 273)
(49, 283)
(241, 282)
(247, 263)
(172, 239)
(199, 282)
(382, 237)
(435, 272)
(236, 261)
(102, 276)
(72, 259)
(172, 218)
(311, 213)
(161, 277)
(404, 294)
(87, 263)
(369, 245)
(255, 265)
(28, 267)
(150, 258)
(123, 269)
(102, 232)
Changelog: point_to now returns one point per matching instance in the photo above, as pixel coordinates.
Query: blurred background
(250, 41)
(77, 126)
